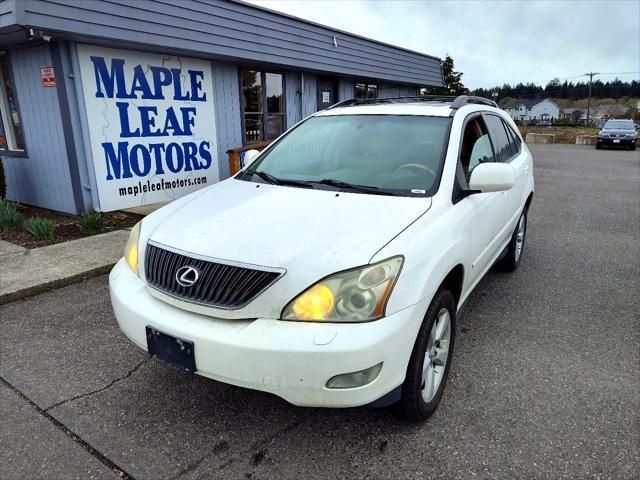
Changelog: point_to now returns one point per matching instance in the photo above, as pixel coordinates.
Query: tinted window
(620, 124)
(501, 143)
(476, 147)
(366, 90)
(402, 153)
(515, 139)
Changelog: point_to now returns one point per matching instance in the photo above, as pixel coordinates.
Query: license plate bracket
(177, 352)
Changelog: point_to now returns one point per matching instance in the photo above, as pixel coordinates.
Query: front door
(327, 93)
(482, 216)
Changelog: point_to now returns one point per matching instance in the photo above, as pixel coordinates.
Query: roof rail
(456, 101)
(378, 101)
(463, 100)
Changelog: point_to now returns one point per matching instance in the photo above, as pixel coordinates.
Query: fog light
(355, 379)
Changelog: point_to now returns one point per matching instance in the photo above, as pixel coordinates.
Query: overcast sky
(495, 42)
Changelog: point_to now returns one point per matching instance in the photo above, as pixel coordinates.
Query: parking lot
(545, 381)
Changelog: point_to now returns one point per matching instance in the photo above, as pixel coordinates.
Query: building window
(263, 105)
(11, 136)
(366, 90)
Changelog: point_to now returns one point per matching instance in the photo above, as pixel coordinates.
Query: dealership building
(112, 104)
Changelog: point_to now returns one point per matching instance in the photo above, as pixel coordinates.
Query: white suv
(330, 270)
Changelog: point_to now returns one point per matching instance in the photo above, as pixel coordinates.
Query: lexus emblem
(187, 276)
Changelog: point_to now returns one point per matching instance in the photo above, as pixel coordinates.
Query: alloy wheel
(436, 355)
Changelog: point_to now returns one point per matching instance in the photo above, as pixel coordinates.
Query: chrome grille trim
(221, 284)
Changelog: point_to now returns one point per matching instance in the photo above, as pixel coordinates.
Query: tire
(598, 146)
(416, 403)
(515, 248)
(633, 146)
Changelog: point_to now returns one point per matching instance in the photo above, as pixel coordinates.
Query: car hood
(310, 233)
(617, 131)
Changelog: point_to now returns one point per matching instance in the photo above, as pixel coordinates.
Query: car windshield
(620, 124)
(393, 154)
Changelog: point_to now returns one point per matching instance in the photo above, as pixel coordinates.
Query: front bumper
(293, 360)
(616, 141)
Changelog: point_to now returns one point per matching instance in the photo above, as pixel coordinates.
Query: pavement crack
(258, 448)
(102, 389)
(119, 471)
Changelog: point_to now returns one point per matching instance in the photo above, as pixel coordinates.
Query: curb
(54, 284)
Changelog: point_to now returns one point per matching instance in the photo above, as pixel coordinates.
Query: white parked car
(330, 270)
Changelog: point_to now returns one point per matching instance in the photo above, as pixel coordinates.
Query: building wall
(7, 13)
(42, 177)
(390, 90)
(234, 31)
(299, 106)
(345, 89)
(226, 93)
(545, 107)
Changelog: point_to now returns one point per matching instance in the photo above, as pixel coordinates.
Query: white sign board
(151, 125)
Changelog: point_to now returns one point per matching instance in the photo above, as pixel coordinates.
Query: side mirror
(249, 157)
(492, 177)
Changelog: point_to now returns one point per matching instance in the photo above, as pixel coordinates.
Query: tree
(452, 81)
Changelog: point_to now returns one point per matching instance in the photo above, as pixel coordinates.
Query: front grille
(219, 285)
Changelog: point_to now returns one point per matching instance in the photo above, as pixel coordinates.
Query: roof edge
(337, 30)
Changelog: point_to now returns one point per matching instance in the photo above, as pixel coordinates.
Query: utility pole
(590, 75)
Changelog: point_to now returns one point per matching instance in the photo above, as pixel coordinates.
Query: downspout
(301, 95)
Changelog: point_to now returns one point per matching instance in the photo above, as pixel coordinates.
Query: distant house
(573, 115)
(533, 110)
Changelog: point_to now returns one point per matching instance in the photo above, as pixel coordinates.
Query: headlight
(604, 134)
(131, 249)
(356, 295)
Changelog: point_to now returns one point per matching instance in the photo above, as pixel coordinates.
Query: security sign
(48, 77)
(151, 125)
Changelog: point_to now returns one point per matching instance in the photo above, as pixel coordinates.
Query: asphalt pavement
(545, 381)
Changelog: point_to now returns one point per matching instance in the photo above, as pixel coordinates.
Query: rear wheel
(516, 246)
(430, 359)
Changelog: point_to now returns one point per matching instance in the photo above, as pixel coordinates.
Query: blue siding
(42, 178)
(7, 12)
(234, 31)
(226, 94)
(345, 89)
(408, 91)
(310, 95)
(292, 97)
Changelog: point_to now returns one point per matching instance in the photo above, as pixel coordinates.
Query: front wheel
(430, 359)
(516, 246)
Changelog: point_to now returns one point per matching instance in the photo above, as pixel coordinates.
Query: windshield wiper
(358, 188)
(267, 177)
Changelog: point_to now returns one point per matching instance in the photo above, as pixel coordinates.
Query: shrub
(9, 215)
(93, 223)
(40, 228)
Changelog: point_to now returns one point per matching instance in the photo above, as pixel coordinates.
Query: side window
(515, 139)
(476, 146)
(501, 142)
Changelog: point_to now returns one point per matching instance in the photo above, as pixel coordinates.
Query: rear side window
(501, 143)
(515, 139)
